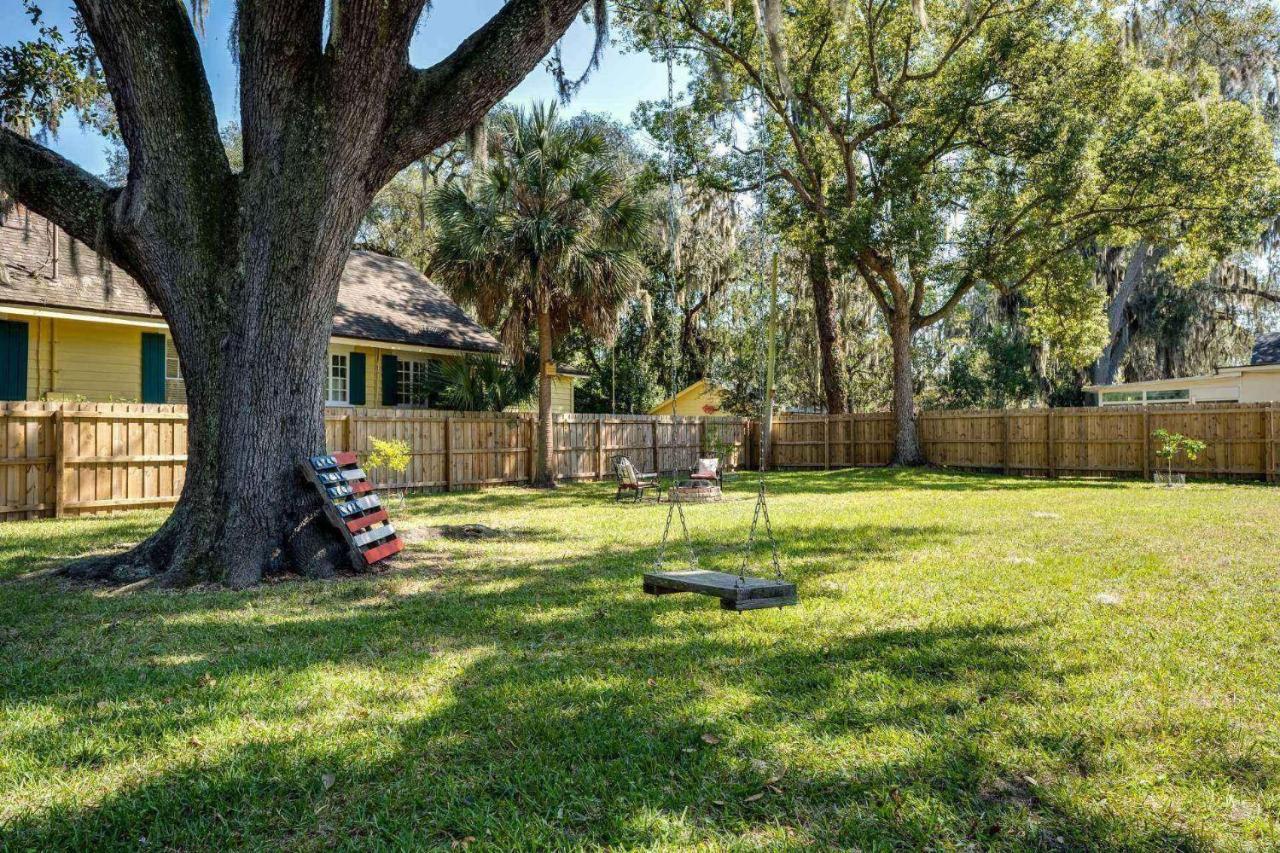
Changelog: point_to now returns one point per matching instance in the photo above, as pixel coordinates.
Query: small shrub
(391, 455)
(1171, 444)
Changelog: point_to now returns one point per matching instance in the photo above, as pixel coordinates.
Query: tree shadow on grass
(559, 708)
(27, 547)
(626, 736)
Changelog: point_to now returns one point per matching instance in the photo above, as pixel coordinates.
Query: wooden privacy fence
(1109, 441)
(831, 441)
(452, 450)
(68, 459)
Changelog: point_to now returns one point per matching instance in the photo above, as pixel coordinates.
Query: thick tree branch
(966, 284)
(152, 64)
(62, 192)
(431, 104)
(1257, 293)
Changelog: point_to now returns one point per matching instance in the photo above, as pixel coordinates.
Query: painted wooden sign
(352, 506)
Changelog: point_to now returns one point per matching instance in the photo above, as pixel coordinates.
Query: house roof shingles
(84, 281)
(380, 298)
(386, 299)
(1266, 350)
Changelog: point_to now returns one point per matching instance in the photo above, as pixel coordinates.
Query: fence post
(533, 447)
(448, 453)
(1005, 436)
(600, 447)
(1050, 459)
(1146, 444)
(655, 445)
(826, 443)
(348, 442)
(1270, 455)
(59, 465)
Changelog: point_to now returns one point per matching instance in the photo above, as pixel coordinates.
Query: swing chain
(762, 510)
(676, 506)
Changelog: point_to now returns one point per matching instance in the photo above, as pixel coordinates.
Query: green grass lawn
(976, 662)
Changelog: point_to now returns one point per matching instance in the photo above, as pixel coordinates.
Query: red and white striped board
(353, 507)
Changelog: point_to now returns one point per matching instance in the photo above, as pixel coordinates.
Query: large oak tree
(245, 265)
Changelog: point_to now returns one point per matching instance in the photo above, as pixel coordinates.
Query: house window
(172, 367)
(1121, 398)
(1168, 396)
(411, 381)
(175, 387)
(339, 379)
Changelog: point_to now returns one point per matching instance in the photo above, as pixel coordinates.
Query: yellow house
(700, 398)
(74, 328)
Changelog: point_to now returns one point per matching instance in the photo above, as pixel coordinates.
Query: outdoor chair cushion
(706, 469)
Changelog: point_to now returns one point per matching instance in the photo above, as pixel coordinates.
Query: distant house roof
(380, 298)
(35, 270)
(1266, 350)
(386, 299)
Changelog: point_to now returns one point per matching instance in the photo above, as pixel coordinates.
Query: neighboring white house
(1255, 382)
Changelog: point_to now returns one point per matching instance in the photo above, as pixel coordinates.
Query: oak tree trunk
(245, 267)
(906, 446)
(545, 475)
(832, 355)
(1142, 257)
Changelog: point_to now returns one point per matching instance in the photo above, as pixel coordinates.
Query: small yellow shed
(700, 398)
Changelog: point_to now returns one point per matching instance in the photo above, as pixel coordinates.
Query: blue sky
(622, 81)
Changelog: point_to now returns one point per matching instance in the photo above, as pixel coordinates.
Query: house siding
(699, 399)
(1260, 387)
(96, 362)
(1257, 385)
(70, 360)
(74, 360)
(562, 401)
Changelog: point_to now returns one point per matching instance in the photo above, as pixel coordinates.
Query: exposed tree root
(185, 552)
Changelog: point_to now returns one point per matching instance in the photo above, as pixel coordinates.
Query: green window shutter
(356, 379)
(153, 367)
(13, 360)
(390, 380)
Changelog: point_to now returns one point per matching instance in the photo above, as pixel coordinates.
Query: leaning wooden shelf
(353, 508)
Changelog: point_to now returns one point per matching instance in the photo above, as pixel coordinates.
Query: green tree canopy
(986, 146)
(549, 237)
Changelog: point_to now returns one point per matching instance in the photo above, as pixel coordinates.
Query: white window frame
(338, 386)
(172, 366)
(1143, 399)
(409, 371)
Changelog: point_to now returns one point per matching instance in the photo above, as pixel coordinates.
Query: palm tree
(548, 236)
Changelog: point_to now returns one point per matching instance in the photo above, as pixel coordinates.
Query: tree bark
(545, 476)
(832, 356)
(906, 447)
(1141, 258)
(245, 267)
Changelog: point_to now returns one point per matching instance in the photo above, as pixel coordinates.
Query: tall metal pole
(771, 362)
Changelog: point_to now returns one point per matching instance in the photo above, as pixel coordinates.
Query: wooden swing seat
(737, 594)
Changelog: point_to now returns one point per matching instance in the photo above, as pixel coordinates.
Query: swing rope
(676, 508)
(673, 223)
(762, 503)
